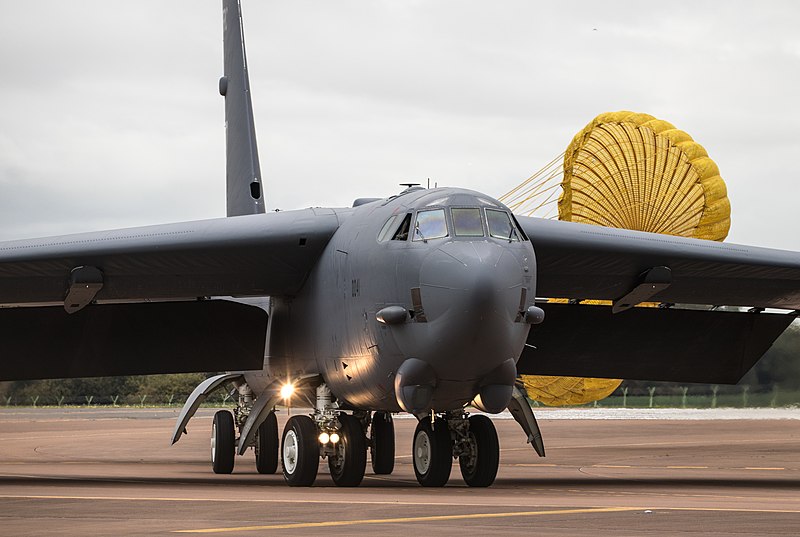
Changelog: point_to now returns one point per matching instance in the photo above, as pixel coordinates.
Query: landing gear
(223, 442)
(349, 458)
(381, 446)
(266, 446)
(433, 451)
(300, 451)
(481, 459)
(471, 439)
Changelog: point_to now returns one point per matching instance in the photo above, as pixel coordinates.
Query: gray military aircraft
(424, 302)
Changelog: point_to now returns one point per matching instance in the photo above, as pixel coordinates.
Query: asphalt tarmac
(112, 472)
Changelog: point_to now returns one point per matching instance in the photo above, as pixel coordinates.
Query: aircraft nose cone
(473, 280)
(471, 298)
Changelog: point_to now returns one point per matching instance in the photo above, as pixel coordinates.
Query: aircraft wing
(135, 301)
(577, 261)
(253, 255)
(581, 261)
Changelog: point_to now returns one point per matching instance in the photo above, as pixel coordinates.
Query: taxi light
(334, 437)
(287, 390)
(324, 438)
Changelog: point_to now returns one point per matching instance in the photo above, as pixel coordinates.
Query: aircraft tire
(349, 462)
(479, 468)
(300, 451)
(432, 453)
(381, 448)
(223, 442)
(267, 445)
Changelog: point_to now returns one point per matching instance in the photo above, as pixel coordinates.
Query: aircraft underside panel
(131, 339)
(649, 343)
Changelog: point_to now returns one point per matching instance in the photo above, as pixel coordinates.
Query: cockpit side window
(467, 222)
(402, 231)
(500, 226)
(520, 230)
(430, 224)
(387, 228)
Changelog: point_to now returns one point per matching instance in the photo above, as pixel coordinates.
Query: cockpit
(470, 223)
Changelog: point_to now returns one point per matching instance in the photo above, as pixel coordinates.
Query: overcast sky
(110, 116)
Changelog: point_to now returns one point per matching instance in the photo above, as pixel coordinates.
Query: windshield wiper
(418, 232)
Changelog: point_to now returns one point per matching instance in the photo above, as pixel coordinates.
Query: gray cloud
(109, 115)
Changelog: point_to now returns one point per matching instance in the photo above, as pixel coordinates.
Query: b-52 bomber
(424, 302)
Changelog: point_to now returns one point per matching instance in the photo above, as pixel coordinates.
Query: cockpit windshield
(467, 222)
(500, 225)
(430, 224)
(459, 222)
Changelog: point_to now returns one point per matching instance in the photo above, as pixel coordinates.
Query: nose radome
(471, 295)
(471, 278)
(471, 334)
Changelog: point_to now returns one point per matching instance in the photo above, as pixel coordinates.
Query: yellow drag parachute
(629, 171)
(633, 171)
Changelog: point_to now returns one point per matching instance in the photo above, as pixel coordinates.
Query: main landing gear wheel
(223, 442)
(300, 451)
(267, 445)
(479, 466)
(433, 453)
(349, 459)
(381, 447)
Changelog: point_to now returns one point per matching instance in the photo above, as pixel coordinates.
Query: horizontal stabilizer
(649, 343)
(131, 339)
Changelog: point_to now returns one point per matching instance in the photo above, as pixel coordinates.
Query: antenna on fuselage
(242, 169)
(409, 185)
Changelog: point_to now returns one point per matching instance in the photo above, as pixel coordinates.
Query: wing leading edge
(254, 255)
(581, 261)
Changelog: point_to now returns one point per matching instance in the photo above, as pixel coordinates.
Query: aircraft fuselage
(465, 287)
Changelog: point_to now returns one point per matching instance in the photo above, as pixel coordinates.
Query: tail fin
(243, 172)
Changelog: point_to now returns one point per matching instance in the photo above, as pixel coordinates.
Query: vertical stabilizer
(242, 170)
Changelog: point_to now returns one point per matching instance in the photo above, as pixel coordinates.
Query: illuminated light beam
(287, 390)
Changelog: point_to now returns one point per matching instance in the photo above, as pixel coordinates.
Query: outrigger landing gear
(470, 439)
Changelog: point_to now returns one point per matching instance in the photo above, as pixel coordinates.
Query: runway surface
(112, 472)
